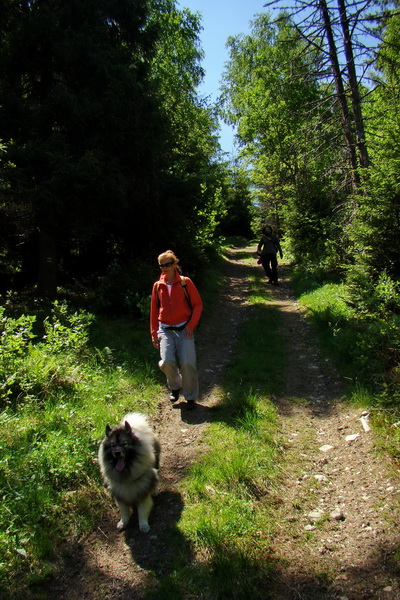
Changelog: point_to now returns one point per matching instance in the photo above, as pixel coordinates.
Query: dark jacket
(269, 245)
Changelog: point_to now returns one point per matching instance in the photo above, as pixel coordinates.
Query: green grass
(55, 405)
(360, 347)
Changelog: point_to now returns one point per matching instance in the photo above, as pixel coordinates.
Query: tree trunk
(47, 275)
(354, 90)
(346, 121)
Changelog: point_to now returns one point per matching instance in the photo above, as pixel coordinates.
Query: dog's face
(120, 446)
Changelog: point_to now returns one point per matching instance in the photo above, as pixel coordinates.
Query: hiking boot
(174, 395)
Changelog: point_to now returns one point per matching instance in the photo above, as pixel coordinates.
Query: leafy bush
(373, 294)
(36, 368)
(16, 337)
(66, 331)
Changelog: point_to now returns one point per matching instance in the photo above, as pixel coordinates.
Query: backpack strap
(184, 286)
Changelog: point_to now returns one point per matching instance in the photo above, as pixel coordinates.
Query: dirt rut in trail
(337, 501)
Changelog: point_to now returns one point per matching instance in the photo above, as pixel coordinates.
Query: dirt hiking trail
(337, 500)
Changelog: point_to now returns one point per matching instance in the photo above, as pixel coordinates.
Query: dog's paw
(144, 527)
(122, 524)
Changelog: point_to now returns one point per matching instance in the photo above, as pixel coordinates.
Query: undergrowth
(57, 393)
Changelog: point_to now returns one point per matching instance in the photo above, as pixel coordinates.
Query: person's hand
(188, 332)
(155, 342)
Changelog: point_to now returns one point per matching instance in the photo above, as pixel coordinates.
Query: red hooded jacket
(174, 309)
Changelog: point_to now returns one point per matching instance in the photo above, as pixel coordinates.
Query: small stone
(337, 515)
(320, 478)
(326, 448)
(310, 527)
(352, 437)
(316, 514)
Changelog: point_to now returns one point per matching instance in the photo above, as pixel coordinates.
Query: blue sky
(221, 19)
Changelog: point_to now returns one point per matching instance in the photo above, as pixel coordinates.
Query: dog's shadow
(160, 548)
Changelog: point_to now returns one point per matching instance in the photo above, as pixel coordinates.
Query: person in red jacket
(175, 311)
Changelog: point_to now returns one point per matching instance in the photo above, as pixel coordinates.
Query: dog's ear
(128, 428)
(108, 430)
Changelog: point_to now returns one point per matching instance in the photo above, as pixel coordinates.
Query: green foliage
(104, 135)
(58, 393)
(288, 138)
(364, 343)
(16, 335)
(210, 214)
(374, 294)
(66, 331)
(42, 370)
(374, 218)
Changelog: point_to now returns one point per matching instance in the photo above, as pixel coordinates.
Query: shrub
(35, 368)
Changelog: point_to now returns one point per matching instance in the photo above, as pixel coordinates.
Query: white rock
(320, 478)
(326, 448)
(337, 515)
(315, 514)
(365, 423)
(352, 437)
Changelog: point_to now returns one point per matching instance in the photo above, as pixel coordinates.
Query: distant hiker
(175, 311)
(267, 250)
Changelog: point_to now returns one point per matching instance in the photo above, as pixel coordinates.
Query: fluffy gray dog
(129, 461)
